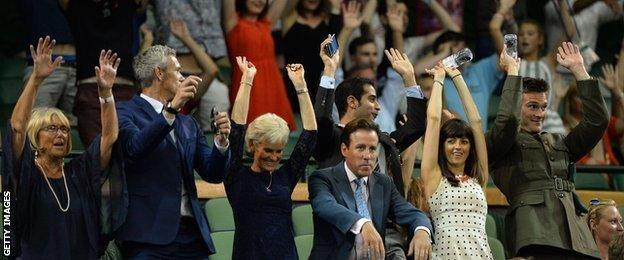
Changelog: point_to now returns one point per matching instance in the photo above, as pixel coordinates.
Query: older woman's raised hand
(43, 65)
(247, 68)
(296, 74)
(107, 71)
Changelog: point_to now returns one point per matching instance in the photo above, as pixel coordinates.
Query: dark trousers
(539, 252)
(87, 108)
(188, 244)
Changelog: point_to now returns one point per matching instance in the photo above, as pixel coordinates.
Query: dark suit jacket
(334, 210)
(534, 172)
(156, 168)
(327, 151)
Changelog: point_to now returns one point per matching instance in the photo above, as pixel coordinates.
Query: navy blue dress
(40, 228)
(261, 203)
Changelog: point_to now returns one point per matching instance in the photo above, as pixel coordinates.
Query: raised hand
(179, 29)
(451, 72)
(107, 71)
(610, 78)
(437, 72)
(43, 65)
(331, 63)
(146, 34)
(395, 19)
(351, 15)
(185, 92)
(506, 5)
(401, 64)
(247, 68)
(508, 63)
(296, 75)
(570, 57)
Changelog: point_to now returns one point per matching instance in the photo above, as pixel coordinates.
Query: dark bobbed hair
(355, 125)
(457, 128)
(448, 36)
(534, 85)
(359, 41)
(241, 7)
(349, 87)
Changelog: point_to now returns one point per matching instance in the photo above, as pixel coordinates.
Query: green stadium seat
(219, 214)
(304, 245)
(224, 243)
(490, 226)
(11, 85)
(590, 181)
(498, 251)
(302, 220)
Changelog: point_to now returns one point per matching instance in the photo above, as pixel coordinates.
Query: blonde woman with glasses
(605, 222)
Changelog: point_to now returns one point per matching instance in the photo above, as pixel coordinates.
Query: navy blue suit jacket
(334, 210)
(156, 168)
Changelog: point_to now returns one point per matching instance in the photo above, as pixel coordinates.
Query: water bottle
(457, 59)
(511, 44)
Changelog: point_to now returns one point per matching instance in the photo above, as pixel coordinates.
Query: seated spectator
(247, 25)
(605, 222)
(55, 202)
(344, 224)
(482, 77)
(260, 194)
(45, 17)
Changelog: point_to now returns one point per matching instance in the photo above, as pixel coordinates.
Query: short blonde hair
(268, 128)
(42, 117)
(595, 210)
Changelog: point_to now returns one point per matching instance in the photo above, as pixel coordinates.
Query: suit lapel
(345, 187)
(376, 199)
(145, 106)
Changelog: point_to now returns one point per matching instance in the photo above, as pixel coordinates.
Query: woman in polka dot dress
(454, 170)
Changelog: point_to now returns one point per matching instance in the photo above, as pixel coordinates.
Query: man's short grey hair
(145, 63)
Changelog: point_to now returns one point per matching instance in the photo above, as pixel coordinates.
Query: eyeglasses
(55, 129)
(596, 202)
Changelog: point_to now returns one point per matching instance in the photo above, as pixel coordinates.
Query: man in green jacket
(534, 169)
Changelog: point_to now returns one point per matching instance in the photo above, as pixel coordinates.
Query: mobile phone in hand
(213, 123)
(511, 44)
(331, 48)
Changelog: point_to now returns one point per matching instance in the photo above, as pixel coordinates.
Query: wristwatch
(172, 110)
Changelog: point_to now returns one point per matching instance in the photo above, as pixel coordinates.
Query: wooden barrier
(493, 195)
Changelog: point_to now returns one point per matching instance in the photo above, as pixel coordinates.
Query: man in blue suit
(352, 203)
(161, 149)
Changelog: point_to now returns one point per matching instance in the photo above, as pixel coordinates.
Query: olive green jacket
(535, 172)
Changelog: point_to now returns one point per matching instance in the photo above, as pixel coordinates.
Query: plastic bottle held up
(511, 44)
(457, 59)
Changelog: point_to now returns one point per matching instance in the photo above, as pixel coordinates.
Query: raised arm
(43, 66)
(296, 74)
(443, 16)
(589, 131)
(105, 74)
(228, 15)
(502, 135)
(276, 10)
(474, 119)
(241, 103)
(351, 19)
(209, 67)
(395, 21)
(429, 169)
(497, 22)
(612, 81)
(369, 10)
(432, 59)
(327, 138)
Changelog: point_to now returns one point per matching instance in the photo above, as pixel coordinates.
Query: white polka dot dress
(459, 215)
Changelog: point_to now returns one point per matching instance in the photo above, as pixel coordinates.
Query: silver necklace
(50, 186)
(268, 188)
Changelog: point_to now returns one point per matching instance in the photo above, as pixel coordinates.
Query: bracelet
(301, 91)
(109, 99)
(437, 81)
(246, 83)
(456, 76)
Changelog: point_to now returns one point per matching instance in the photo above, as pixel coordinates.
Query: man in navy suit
(161, 149)
(352, 203)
